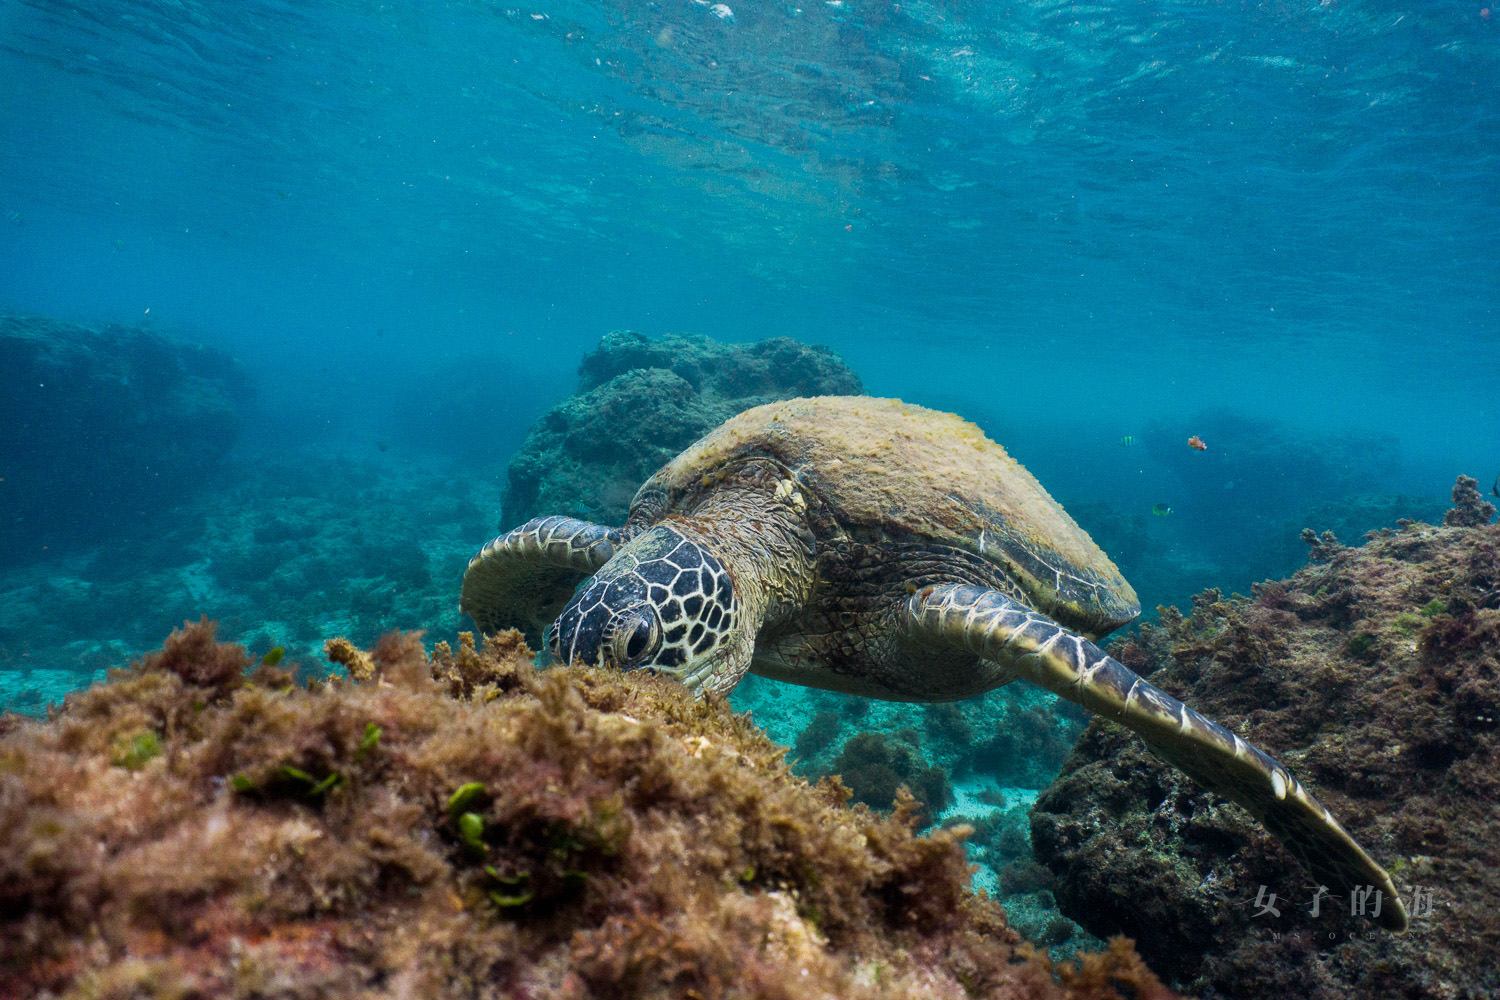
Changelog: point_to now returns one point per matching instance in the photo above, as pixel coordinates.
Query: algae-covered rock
(1375, 674)
(459, 825)
(102, 428)
(640, 401)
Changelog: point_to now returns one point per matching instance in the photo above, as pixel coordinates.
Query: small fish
(14, 218)
(1128, 441)
(1160, 509)
(273, 657)
(1496, 488)
(1196, 443)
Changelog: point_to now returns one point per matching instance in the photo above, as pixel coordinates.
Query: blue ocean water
(1096, 228)
(1272, 224)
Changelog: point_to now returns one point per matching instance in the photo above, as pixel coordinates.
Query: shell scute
(889, 471)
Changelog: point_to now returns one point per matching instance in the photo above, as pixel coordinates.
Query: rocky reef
(642, 400)
(457, 824)
(977, 763)
(102, 428)
(1374, 673)
(283, 550)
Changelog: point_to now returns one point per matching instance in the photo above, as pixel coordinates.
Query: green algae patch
(466, 795)
(310, 786)
(370, 741)
(137, 750)
(1408, 624)
(471, 831)
(462, 825)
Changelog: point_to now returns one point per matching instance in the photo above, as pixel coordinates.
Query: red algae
(461, 825)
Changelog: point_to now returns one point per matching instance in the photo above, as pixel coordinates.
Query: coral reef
(461, 825)
(286, 550)
(1374, 673)
(1016, 737)
(100, 429)
(1029, 749)
(873, 766)
(1469, 508)
(639, 402)
(978, 763)
(819, 734)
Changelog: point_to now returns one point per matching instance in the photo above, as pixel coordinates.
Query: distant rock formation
(642, 400)
(1373, 673)
(101, 428)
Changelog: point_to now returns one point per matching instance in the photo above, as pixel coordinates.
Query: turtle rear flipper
(524, 578)
(990, 625)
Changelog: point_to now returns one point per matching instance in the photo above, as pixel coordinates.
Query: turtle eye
(635, 637)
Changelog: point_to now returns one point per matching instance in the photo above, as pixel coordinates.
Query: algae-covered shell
(890, 472)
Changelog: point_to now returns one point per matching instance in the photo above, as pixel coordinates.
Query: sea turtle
(882, 549)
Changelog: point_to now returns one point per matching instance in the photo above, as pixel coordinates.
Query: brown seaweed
(462, 825)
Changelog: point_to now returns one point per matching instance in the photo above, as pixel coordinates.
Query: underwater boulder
(458, 824)
(640, 401)
(103, 429)
(1374, 673)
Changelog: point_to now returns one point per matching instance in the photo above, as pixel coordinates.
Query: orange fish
(1196, 443)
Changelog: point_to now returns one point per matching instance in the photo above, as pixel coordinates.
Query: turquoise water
(1097, 229)
(1273, 225)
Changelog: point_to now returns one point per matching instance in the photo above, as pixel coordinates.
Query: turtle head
(665, 602)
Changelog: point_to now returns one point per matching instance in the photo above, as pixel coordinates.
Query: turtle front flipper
(524, 578)
(988, 624)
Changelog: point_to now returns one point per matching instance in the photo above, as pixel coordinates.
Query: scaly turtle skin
(873, 547)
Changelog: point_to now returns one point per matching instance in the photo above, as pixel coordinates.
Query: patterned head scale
(663, 603)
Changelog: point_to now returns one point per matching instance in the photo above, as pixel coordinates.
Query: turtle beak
(716, 672)
(580, 633)
(690, 675)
